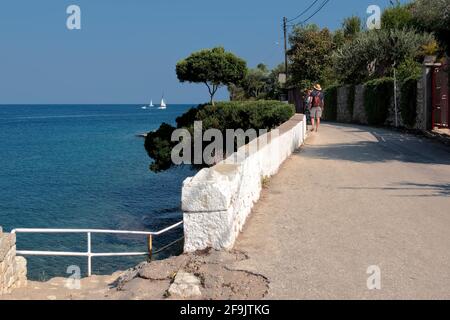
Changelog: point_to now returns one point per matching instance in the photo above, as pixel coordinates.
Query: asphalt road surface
(354, 198)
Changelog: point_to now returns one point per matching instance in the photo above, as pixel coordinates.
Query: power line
(311, 16)
(316, 12)
(303, 12)
(285, 25)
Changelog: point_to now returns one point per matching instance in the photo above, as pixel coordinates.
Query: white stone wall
(13, 269)
(217, 201)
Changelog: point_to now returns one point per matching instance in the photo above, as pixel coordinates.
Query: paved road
(354, 197)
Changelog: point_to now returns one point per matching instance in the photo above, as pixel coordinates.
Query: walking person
(307, 105)
(317, 106)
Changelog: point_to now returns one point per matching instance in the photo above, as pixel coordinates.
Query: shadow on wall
(385, 146)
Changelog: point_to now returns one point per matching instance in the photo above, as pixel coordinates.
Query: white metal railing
(89, 254)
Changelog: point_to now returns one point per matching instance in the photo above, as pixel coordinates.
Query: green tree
(351, 27)
(397, 17)
(274, 86)
(433, 17)
(259, 83)
(255, 83)
(373, 53)
(310, 54)
(213, 67)
(339, 38)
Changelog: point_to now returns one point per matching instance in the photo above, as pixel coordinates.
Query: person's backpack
(316, 100)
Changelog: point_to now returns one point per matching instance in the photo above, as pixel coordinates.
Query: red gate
(440, 116)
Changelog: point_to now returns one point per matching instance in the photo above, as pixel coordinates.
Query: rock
(139, 288)
(21, 264)
(220, 257)
(127, 276)
(185, 285)
(163, 269)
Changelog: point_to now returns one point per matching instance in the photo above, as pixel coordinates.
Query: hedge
(377, 99)
(408, 101)
(222, 116)
(330, 100)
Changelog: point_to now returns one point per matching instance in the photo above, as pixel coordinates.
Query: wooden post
(150, 246)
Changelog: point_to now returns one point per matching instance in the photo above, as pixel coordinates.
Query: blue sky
(127, 50)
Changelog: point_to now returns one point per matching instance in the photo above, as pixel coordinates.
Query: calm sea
(82, 166)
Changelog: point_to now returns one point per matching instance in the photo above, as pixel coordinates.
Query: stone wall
(343, 109)
(359, 112)
(423, 114)
(217, 201)
(423, 120)
(13, 269)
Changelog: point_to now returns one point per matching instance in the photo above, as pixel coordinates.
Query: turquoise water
(81, 166)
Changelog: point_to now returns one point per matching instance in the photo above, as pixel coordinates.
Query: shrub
(377, 99)
(408, 102)
(330, 100)
(409, 69)
(222, 116)
(158, 145)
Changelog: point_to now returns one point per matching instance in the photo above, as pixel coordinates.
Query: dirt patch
(213, 268)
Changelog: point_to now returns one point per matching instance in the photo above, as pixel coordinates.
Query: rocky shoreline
(204, 275)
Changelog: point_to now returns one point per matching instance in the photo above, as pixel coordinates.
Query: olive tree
(372, 54)
(213, 67)
(433, 16)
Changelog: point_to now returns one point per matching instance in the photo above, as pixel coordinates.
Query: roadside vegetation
(222, 116)
(350, 56)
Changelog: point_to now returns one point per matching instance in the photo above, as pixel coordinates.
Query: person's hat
(318, 87)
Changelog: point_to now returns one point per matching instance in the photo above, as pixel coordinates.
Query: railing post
(150, 246)
(89, 254)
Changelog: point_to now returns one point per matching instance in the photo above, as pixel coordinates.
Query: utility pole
(285, 46)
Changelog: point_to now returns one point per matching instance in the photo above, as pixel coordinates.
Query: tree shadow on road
(374, 145)
(431, 189)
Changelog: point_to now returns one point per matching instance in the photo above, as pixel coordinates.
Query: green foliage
(330, 102)
(408, 101)
(409, 69)
(213, 67)
(259, 84)
(351, 27)
(351, 98)
(397, 17)
(159, 146)
(430, 49)
(222, 116)
(433, 16)
(274, 87)
(377, 99)
(372, 54)
(310, 54)
(339, 38)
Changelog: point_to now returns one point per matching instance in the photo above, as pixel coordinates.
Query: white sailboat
(150, 105)
(163, 104)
